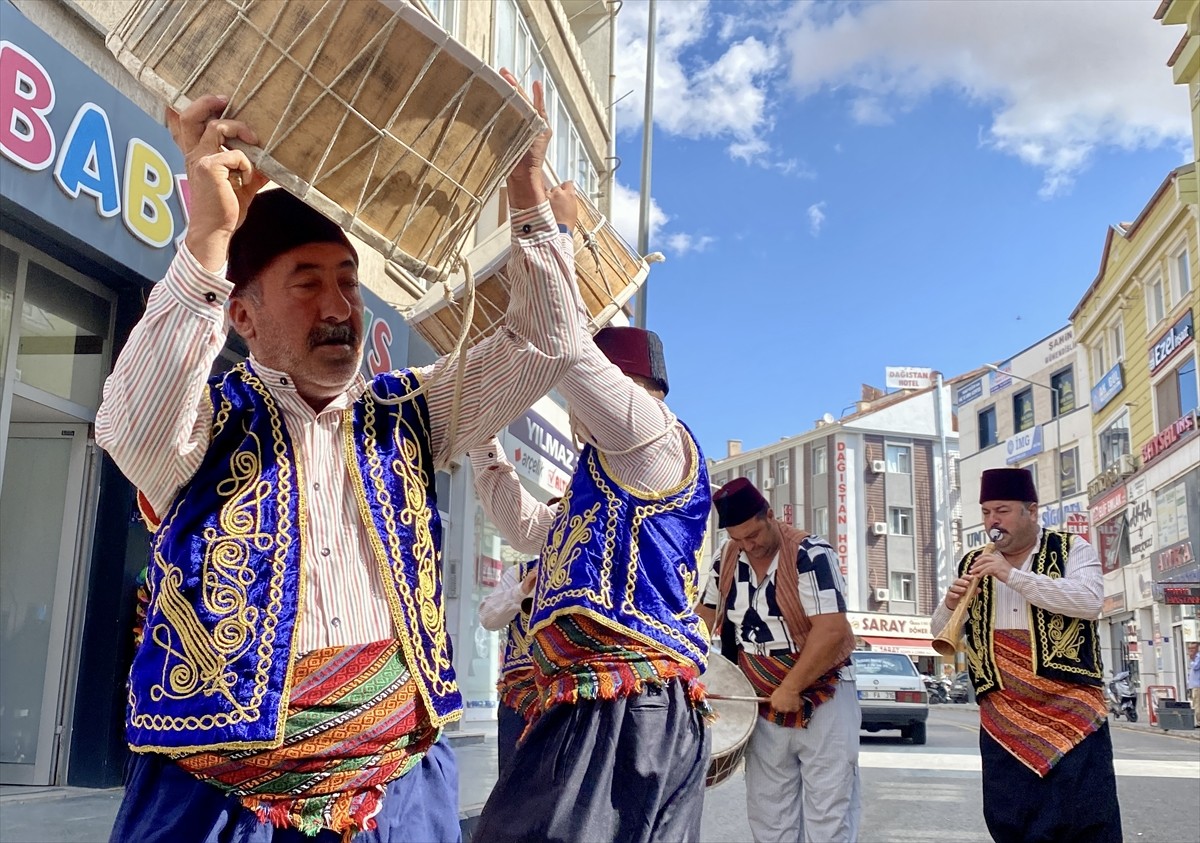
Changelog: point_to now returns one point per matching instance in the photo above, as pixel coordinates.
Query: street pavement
(910, 793)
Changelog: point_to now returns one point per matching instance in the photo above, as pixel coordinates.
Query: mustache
(332, 335)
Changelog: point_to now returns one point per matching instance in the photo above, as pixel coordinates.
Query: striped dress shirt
(1077, 594)
(155, 418)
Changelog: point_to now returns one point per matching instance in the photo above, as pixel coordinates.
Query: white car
(891, 694)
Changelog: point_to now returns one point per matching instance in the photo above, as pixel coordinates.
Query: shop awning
(905, 646)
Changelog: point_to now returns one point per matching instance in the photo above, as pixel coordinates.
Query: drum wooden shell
(607, 271)
(366, 109)
(735, 718)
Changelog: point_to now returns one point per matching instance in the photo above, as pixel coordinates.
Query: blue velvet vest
(226, 575)
(627, 559)
(516, 635)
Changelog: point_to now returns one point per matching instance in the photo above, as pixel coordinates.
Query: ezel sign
(85, 162)
(1176, 337)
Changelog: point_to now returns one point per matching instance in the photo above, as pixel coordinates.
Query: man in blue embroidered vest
(1034, 658)
(295, 674)
(618, 748)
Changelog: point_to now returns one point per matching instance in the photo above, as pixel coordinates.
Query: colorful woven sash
(517, 689)
(1037, 719)
(354, 723)
(767, 672)
(578, 657)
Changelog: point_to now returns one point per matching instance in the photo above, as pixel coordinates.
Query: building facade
(877, 485)
(1135, 329)
(1185, 69)
(90, 214)
(1025, 414)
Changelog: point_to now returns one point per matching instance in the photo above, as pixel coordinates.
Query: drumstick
(732, 698)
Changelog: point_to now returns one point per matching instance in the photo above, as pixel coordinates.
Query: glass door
(40, 500)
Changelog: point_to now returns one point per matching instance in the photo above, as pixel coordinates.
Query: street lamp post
(1057, 436)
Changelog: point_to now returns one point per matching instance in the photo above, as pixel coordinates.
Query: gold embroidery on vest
(570, 535)
(204, 656)
(411, 614)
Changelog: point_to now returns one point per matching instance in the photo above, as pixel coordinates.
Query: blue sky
(840, 188)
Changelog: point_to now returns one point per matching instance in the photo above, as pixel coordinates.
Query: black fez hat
(278, 222)
(737, 502)
(1007, 484)
(635, 351)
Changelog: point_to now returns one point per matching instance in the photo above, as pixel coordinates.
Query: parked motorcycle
(938, 689)
(960, 688)
(1122, 696)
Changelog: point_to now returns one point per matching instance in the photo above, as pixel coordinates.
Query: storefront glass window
(8, 291)
(63, 341)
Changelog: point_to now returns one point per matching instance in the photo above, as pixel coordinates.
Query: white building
(879, 485)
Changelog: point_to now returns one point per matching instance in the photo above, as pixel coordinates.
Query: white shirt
(1079, 593)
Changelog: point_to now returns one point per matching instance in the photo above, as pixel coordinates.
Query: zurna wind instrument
(949, 640)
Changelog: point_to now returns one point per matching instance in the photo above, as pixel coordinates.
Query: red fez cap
(1007, 484)
(278, 222)
(737, 502)
(635, 351)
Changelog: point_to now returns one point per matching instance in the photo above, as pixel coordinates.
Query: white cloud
(816, 218)
(682, 243)
(625, 214)
(696, 96)
(626, 211)
(1062, 79)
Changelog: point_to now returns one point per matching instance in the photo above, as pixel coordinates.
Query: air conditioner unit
(1128, 464)
(882, 595)
(768, 483)
(878, 466)
(879, 528)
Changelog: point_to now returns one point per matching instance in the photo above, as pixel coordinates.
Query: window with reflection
(62, 347)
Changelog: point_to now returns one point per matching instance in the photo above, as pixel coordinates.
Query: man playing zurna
(295, 670)
(1034, 658)
(618, 748)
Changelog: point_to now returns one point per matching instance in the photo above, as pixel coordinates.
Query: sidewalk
(85, 815)
(1142, 725)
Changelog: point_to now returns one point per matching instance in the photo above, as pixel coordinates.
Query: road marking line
(970, 763)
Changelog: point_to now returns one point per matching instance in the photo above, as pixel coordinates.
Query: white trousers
(803, 784)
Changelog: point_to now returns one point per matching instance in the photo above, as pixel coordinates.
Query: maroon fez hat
(1007, 484)
(737, 502)
(635, 351)
(278, 222)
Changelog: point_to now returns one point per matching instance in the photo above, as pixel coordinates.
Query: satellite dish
(827, 418)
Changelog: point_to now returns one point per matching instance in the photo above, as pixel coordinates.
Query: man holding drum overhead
(782, 590)
(618, 748)
(295, 672)
(1034, 658)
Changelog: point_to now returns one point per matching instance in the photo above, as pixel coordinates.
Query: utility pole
(647, 143)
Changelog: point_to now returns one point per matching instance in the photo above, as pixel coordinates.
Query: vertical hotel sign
(841, 462)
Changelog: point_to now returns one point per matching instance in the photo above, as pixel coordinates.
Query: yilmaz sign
(541, 453)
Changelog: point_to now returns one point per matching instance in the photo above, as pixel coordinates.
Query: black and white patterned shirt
(754, 610)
